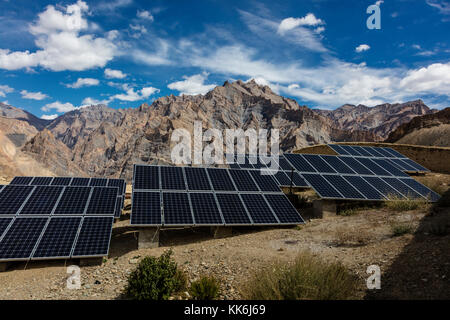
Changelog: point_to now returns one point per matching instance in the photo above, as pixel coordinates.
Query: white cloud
(83, 82)
(4, 89)
(146, 15)
(138, 29)
(292, 23)
(90, 102)
(192, 85)
(61, 47)
(114, 74)
(148, 91)
(33, 95)
(432, 79)
(132, 95)
(362, 47)
(113, 5)
(59, 107)
(49, 116)
(442, 5)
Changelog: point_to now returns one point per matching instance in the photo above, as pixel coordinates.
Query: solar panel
(338, 149)
(58, 238)
(386, 165)
(284, 164)
(282, 178)
(383, 187)
(102, 201)
(21, 180)
(220, 179)
(356, 166)
(73, 201)
(94, 237)
(321, 186)
(233, 210)
(372, 166)
(42, 200)
(197, 179)
(146, 208)
(119, 183)
(364, 151)
(283, 209)
(172, 178)
(318, 163)
(244, 162)
(61, 181)
(337, 164)
(41, 181)
(299, 162)
(351, 151)
(146, 177)
(98, 182)
(1, 188)
(243, 180)
(402, 165)
(258, 209)
(205, 209)
(375, 151)
(20, 239)
(420, 188)
(265, 182)
(177, 210)
(395, 153)
(298, 180)
(345, 188)
(119, 207)
(383, 152)
(80, 181)
(256, 162)
(415, 165)
(403, 188)
(364, 187)
(4, 223)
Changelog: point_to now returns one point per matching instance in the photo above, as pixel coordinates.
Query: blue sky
(58, 56)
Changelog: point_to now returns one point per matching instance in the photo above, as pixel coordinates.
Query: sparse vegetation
(156, 278)
(206, 288)
(351, 237)
(399, 229)
(308, 277)
(400, 204)
(349, 212)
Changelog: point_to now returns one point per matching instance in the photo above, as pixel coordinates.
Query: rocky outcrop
(11, 112)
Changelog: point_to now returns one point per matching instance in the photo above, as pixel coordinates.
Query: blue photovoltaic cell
(146, 177)
(401, 164)
(243, 180)
(4, 223)
(98, 182)
(322, 187)
(345, 188)
(177, 210)
(103, 201)
(61, 181)
(350, 150)
(284, 164)
(73, 201)
(403, 188)
(146, 208)
(258, 209)
(420, 188)
(233, 210)
(172, 178)
(94, 237)
(299, 162)
(283, 208)
(415, 165)
(42, 200)
(220, 179)
(205, 209)
(375, 151)
(317, 162)
(383, 187)
(21, 180)
(265, 182)
(337, 164)
(12, 198)
(383, 152)
(364, 187)
(395, 153)
(234, 166)
(338, 149)
(119, 207)
(356, 166)
(244, 161)
(80, 181)
(41, 181)
(364, 151)
(256, 162)
(282, 178)
(379, 171)
(298, 180)
(197, 179)
(1, 188)
(120, 183)
(386, 165)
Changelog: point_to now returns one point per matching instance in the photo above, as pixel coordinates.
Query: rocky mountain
(379, 120)
(11, 112)
(428, 130)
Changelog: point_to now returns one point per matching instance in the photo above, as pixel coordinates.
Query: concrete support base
(148, 238)
(4, 266)
(86, 262)
(324, 208)
(221, 232)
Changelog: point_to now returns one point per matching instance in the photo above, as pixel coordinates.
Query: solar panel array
(175, 196)
(77, 182)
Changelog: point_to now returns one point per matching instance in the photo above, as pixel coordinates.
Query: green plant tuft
(207, 288)
(399, 229)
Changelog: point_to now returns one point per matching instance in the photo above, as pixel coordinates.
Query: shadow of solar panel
(402, 165)
(146, 177)
(415, 165)
(58, 238)
(94, 237)
(345, 188)
(73, 201)
(41, 181)
(243, 180)
(364, 187)
(350, 150)
(80, 182)
(284, 209)
(172, 178)
(197, 179)
(284, 164)
(61, 181)
(12, 197)
(20, 239)
(103, 201)
(420, 188)
(146, 208)
(265, 182)
(233, 210)
(42, 200)
(403, 188)
(220, 179)
(364, 151)
(321, 186)
(119, 183)
(368, 163)
(318, 163)
(338, 149)
(356, 166)
(299, 162)
(386, 165)
(383, 187)
(4, 223)
(337, 164)
(177, 210)
(21, 180)
(282, 178)
(258, 209)
(98, 182)
(205, 209)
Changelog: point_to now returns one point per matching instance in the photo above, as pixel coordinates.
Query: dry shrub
(401, 204)
(399, 229)
(351, 237)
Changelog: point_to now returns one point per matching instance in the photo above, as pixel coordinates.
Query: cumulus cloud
(4, 89)
(33, 95)
(59, 107)
(292, 23)
(61, 44)
(49, 116)
(132, 95)
(91, 101)
(192, 85)
(362, 47)
(83, 82)
(114, 74)
(144, 14)
(432, 79)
